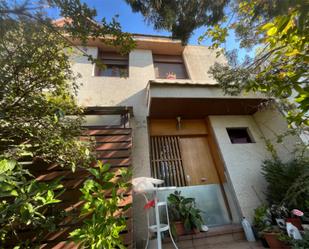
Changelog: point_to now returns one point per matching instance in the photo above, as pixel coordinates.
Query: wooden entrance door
(198, 162)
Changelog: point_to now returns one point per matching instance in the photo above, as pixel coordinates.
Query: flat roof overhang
(157, 44)
(202, 107)
(190, 99)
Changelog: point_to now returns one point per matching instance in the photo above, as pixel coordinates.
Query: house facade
(185, 130)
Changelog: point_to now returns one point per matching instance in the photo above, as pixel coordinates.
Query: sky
(134, 22)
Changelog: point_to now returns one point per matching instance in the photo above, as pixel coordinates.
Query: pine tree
(181, 17)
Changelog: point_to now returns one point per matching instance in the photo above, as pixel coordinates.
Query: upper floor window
(116, 65)
(169, 67)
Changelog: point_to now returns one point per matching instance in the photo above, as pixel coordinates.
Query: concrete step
(216, 235)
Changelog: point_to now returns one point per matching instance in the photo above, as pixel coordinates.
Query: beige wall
(272, 123)
(131, 91)
(114, 91)
(198, 60)
(242, 161)
(197, 91)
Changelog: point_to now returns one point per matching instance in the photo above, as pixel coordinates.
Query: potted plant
(171, 76)
(295, 218)
(276, 238)
(265, 223)
(185, 216)
(279, 213)
(261, 222)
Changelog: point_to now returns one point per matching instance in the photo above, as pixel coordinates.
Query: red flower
(149, 204)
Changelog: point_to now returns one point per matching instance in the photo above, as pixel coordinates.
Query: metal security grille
(166, 162)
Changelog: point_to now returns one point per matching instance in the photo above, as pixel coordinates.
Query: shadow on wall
(137, 100)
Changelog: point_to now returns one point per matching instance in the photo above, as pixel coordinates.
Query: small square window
(239, 135)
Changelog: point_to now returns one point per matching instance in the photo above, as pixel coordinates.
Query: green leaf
(267, 26)
(108, 176)
(14, 193)
(108, 185)
(95, 172)
(7, 165)
(272, 31)
(292, 53)
(105, 167)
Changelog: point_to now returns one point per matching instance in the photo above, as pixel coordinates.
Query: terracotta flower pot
(180, 228)
(274, 242)
(295, 221)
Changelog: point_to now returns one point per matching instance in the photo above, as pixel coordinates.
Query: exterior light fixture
(178, 123)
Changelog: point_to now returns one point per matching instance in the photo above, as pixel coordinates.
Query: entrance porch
(198, 145)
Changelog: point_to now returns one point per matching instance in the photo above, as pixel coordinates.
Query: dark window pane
(116, 65)
(162, 70)
(169, 67)
(239, 135)
(114, 71)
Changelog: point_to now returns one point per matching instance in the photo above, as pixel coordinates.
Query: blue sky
(134, 22)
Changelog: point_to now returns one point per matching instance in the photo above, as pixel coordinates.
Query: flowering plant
(279, 211)
(171, 75)
(297, 213)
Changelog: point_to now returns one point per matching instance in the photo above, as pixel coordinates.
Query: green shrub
(36, 98)
(288, 183)
(25, 202)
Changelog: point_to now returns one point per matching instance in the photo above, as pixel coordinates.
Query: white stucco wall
(272, 123)
(242, 161)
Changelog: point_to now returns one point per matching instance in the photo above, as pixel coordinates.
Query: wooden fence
(113, 145)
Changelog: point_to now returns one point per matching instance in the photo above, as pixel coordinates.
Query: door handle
(188, 178)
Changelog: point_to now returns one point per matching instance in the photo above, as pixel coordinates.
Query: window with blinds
(169, 67)
(166, 162)
(115, 65)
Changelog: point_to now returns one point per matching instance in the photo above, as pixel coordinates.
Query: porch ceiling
(202, 107)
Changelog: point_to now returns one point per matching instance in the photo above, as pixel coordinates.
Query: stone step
(215, 235)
